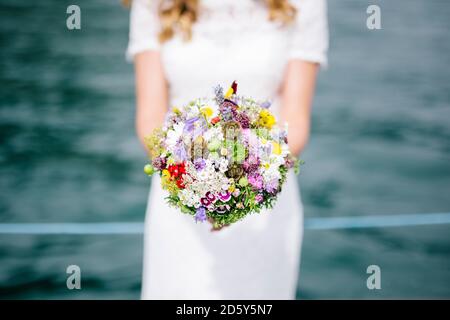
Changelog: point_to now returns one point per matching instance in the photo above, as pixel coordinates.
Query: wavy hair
(179, 15)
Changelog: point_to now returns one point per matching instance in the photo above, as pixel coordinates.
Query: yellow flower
(229, 93)
(166, 173)
(276, 148)
(167, 183)
(207, 111)
(232, 188)
(165, 178)
(263, 141)
(266, 119)
(176, 111)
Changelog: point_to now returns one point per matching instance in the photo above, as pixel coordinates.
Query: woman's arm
(151, 93)
(297, 94)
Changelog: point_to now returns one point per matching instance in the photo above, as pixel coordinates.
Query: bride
(181, 50)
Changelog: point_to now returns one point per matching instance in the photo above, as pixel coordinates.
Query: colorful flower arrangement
(222, 158)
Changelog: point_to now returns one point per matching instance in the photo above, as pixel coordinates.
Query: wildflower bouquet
(222, 158)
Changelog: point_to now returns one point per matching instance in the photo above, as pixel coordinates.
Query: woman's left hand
(214, 227)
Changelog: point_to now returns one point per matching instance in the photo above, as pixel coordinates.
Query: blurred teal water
(380, 144)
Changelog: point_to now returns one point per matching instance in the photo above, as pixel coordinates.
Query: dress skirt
(255, 258)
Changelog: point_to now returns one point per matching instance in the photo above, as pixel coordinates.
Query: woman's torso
(232, 40)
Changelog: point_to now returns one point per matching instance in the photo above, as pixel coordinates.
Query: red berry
(215, 120)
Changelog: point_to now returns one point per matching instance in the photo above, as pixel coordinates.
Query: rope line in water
(102, 228)
(403, 220)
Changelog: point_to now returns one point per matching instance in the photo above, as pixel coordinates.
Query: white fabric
(256, 258)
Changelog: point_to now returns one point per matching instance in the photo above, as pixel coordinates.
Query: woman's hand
(215, 228)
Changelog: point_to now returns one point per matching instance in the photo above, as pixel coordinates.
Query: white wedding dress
(258, 257)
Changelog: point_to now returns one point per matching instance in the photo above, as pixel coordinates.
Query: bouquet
(221, 158)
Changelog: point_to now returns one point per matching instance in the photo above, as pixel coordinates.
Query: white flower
(271, 173)
(284, 150)
(192, 111)
(213, 133)
(191, 171)
(187, 139)
(223, 165)
(174, 134)
(209, 164)
(277, 159)
(189, 198)
(203, 175)
(187, 179)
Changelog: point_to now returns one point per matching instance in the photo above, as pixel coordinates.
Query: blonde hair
(180, 15)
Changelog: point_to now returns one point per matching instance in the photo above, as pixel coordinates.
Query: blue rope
(403, 220)
(381, 221)
(73, 228)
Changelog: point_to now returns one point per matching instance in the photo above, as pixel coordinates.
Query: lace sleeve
(309, 40)
(144, 26)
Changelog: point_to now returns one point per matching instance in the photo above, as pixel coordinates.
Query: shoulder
(310, 31)
(144, 27)
(310, 8)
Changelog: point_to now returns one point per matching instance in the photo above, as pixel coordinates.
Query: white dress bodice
(232, 40)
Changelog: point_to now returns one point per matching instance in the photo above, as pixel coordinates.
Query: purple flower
(159, 163)
(228, 109)
(256, 181)
(267, 149)
(283, 135)
(170, 118)
(201, 128)
(251, 141)
(189, 124)
(243, 120)
(195, 126)
(224, 196)
(289, 162)
(280, 136)
(218, 92)
(200, 214)
(259, 198)
(180, 151)
(251, 164)
(199, 164)
(272, 186)
(266, 104)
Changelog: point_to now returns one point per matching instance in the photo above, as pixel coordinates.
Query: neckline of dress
(231, 9)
